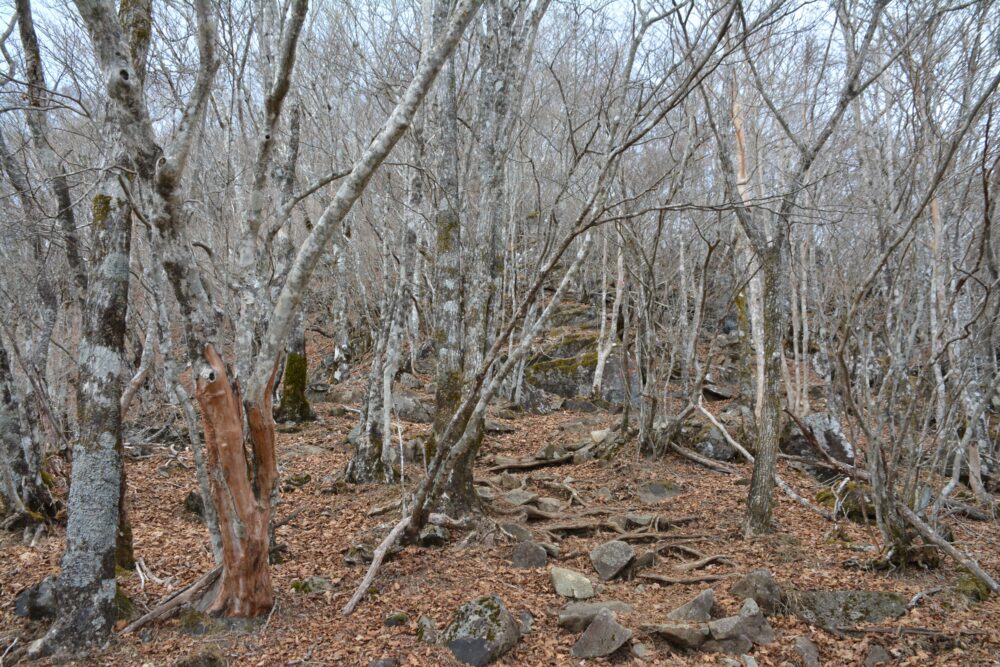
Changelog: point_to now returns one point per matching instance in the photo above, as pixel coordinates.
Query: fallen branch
(911, 517)
(175, 601)
(531, 464)
(928, 534)
(377, 559)
(686, 453)
(666, 579)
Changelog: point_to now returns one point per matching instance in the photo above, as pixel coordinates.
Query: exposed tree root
(173, 602)
(530, 464)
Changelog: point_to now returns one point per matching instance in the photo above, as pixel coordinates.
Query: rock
(427, 630)
(580, 405)
(733, 646)
(311, 584)
(600, 436)
(604, 493)
(434, 536)
(611, 558)
(411, 409)
(518, 532)
(715, 392)
(486, 493)
(508, 482)
(657, 492)
(719, 450)
(550, 451)
(685, 636)
(807, 651)
(410, 381)
(832, 610)
(761, 587)
(520, 497)
(210, 657)
(524, 622)
(496, 428)
(296, 482)
(547, 504)
(640, 650)
(602, 637)
(576, 616)
(194, 504)
(396, 619)
(528, 555)
(571, 584)
(830, 435)
(482, 631)
(877, 655)
(644, 562)
(384, 662)
(749, 625)
(699, 609)
(37, 602)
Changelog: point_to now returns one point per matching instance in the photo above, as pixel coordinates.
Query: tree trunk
(86, 586)
(761, 498)
(241, 488)
(22, 489)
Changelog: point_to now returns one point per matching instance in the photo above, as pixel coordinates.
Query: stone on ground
(761, 587)
(571, 584)
(611, 558)
(602, 637)
(527, 555)
(482, 631)
(686, 636)
(576, 616)
(808, 653)
(699, 609)
(832, 610)
(657, 492)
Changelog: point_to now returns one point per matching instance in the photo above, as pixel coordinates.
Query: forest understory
(945, 622)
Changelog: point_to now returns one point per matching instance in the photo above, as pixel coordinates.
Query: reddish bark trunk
(242, 484)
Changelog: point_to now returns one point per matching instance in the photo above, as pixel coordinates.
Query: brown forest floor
(307, 629)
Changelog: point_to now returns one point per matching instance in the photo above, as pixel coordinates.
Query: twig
(9, 649)
(915, 600)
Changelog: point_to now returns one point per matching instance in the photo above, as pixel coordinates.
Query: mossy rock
(312, 584)
(854, 501)
(971, 587)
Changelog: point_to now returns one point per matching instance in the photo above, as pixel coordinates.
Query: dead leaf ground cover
(307, 629)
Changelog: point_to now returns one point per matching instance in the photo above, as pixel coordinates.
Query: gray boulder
(427, 630)
(832, 610)
(527, 555)
(482, 631)
(611, 558)
(719, 450)
(808, 653)
(686, 636)
(699, 609)
(571, 584)
(736, 634)
(576, 616)
(38, 601)
(761, 587)
(828, 432)
(603, 636)
(411, 409)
